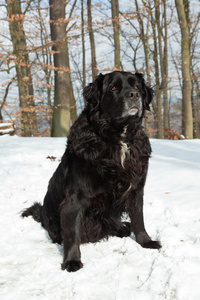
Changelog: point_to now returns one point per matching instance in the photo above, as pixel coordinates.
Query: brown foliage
(172, 134)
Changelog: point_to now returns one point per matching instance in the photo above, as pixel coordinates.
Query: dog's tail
(35, 211)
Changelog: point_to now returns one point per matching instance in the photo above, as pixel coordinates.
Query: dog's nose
(133, 94)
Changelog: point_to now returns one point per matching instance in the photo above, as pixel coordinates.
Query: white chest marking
(124, 151)
(124, 132)
(124, 147)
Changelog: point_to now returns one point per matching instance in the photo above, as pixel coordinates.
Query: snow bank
(116, 269)
(6, 128)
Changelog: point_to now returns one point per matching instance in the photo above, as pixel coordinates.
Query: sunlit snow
(116, 269)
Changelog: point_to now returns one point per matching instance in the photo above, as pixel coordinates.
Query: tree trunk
(145, 41)
(187, 119)
(5, 96)
(159, 30)
(115, 21)
(46, 57)
(61, 110)
(92, 43)
(22, 64)
(157, 77)
(73, 111)
(148, 69)
(83, 45)
(165, 74)
(163, 55)
(196, 106)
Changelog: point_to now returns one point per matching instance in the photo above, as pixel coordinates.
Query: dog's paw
(125, 230)
(72, 265)
(152, 245)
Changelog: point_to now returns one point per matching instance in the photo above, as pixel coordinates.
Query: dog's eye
(114, 88)
(136, 87)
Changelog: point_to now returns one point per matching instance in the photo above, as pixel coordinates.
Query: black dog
(103, 170)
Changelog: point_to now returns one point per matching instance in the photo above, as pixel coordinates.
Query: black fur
(103, 170)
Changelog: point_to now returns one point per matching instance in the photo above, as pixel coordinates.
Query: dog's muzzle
(133, 103)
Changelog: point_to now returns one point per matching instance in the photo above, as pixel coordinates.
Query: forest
(50, 50)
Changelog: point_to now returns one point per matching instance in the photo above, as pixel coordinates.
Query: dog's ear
(148, 92)
(149, 97)
(93, 91)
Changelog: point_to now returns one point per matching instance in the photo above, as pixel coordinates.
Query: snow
(6, 128)
(5, 124)
(6, 131)
(116, 269)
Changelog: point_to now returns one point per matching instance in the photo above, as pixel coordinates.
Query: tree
(92, 42)
(193, 27)
(187, 118)
(83, 45)
(165, 72)
(5, 96)
(157, 77)
(64, 102)
(138, 40)
(22, 65)
(144, 36)
(162, 36)
(115, 22)
(46, 58)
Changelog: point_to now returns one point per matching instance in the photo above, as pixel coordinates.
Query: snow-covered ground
(116, 269)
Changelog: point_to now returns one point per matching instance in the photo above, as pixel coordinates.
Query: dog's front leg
(70, 224)
(137, 221)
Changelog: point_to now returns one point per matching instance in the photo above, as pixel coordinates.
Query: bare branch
(71, 12)
(6, 94)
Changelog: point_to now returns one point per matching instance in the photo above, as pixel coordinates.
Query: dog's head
(119, 95)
